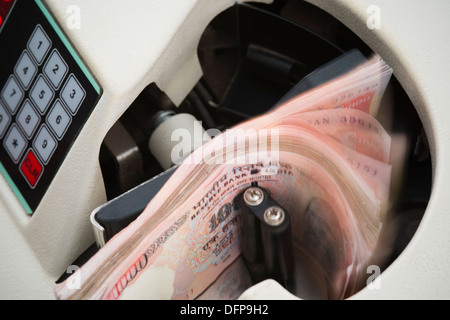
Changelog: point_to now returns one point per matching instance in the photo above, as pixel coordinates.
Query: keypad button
(5, 118)
(55, 69)
(25, 69)
(44, 144)
(31, 169)
(12, 94)
(15, 143)
(59, 119)
(39, 44)
(28, 119)
(42, 94)
(73, 94)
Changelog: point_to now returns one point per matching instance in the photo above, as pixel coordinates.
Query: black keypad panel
(46, 96)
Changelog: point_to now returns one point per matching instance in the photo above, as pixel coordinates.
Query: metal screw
(274, 216)
(253, 196)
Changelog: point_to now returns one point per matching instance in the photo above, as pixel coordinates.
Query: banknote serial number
(229, 309)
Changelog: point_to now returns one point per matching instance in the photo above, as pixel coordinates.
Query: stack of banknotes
(323, 156)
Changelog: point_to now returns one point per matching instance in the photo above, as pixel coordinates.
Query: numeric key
(5, 118)
(73, 94)
(44, 144)
(42, 94)
(59, 119)
(12, 94)
(25, 69)
(55, 69)
(28, 118)
(39, 44)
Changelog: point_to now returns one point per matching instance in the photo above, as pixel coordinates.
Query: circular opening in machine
(253, 54)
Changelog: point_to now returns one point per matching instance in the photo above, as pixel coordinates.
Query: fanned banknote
(323, 156)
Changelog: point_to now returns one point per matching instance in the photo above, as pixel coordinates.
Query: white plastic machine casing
(128, 45)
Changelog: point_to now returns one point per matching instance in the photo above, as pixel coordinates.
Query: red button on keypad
(31, 168)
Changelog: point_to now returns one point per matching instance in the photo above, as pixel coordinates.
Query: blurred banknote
(324, 157)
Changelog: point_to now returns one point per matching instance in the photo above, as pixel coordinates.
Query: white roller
(176, 138)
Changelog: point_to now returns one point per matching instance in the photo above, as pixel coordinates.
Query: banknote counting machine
(84, 85)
